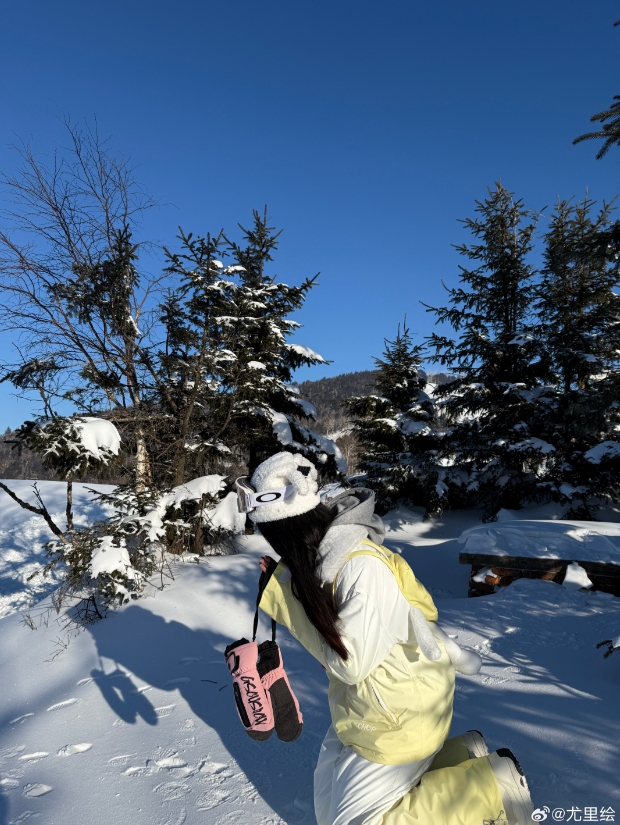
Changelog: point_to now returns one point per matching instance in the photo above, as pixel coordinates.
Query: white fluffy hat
(282, 470)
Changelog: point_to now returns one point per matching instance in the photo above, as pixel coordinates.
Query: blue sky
(368, 128)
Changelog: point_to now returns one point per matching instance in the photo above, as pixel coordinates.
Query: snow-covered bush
(112, 561)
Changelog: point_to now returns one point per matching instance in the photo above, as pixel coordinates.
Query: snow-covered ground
(135, 720)
(23, 534)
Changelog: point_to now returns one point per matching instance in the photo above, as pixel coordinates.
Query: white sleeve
(373, 617)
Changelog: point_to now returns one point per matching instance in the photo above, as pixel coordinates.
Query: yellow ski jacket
(389, 702)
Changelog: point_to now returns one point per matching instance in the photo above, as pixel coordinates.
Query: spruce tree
(228, 363)
(192, 361)
(396, 429)
(499, 364)
(266, 407)
(578, 312)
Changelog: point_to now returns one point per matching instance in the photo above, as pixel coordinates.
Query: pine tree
(266, 407)
(499, 364)
(579, 314)
(610, 131)
(227, 365)
(196, 318)
(396, 430)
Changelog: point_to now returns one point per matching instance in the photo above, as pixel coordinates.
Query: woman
(342, 596)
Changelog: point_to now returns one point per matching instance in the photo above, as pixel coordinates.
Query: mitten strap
(262, 584)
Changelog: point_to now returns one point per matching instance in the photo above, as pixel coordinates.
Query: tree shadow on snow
(170, 656)
(4, 809)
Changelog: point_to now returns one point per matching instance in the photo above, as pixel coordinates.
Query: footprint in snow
(136, 771)
(188, 660)
(122, 759)
(213, 768)
(36, 789)
(171, 762)
(505, 676)
(21, 719)
(182, 680)
(164, 710)
(142, 689)
(69, 750)
(211, 799)
(175, 818)
(33, 757)
(185, 743)
(61, 705)
(84, 681)
(10, 753)
(23, 817)
(171, 791)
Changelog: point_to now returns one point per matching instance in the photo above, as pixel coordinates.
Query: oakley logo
(266, 498)
(364, 726)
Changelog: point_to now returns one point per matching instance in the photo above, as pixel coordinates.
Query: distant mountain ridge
(327, 393)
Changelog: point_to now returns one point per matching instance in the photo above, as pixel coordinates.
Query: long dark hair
(296, 540)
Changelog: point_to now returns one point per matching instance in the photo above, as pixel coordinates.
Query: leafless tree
(70, 293)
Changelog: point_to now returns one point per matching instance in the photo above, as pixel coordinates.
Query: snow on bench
(518, 547)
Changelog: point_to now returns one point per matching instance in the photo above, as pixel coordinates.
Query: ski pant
(448, 788)
(350, 790)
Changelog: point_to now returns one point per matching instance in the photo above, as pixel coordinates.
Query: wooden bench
(505, 569)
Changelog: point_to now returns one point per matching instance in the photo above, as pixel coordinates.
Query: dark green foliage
(60, 445)
(610, 131)
(501, 365)
(396, 430)
(578, 313)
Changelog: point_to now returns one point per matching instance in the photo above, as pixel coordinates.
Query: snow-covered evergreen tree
(265, 406)
(396, 429)
(194, 361)
(500, 365)
(579, 319)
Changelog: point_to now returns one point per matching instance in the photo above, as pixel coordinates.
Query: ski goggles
(249, 499)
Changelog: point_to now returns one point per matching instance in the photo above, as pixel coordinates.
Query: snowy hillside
(135, 720)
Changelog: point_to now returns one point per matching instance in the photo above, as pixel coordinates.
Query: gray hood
(355, 521)
(357, 506)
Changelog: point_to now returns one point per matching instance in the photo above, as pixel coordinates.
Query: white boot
(475, 744)
(513, 787)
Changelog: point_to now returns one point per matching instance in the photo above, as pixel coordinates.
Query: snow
(606, 449)
(533, 444)
(308, 408)
(109, 558)
(576, 577)
(190, 491)
(256, 365)
(306, 352)
(23, 534)
(282, 430)
(522, 339)
(568, 540)
(226, 514)
(135, 720)
(98, 436)
(409, 427)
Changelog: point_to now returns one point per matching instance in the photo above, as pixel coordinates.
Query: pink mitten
(252, 698)
(287, 717)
